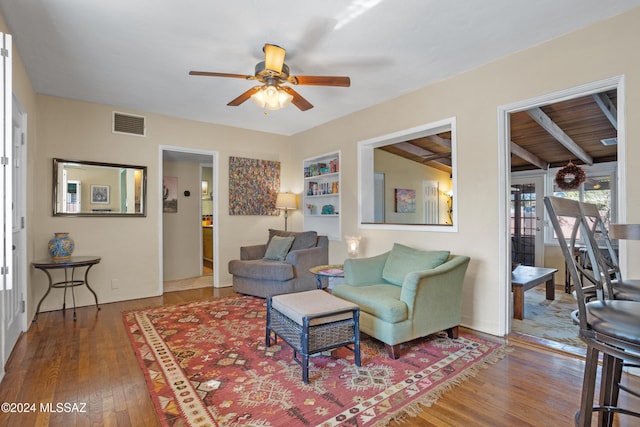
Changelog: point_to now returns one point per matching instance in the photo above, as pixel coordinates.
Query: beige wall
(130, 247)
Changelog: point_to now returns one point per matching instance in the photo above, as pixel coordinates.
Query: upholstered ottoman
(312, 322)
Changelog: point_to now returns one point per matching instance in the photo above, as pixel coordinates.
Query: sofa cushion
(261, 269)
(403, 260)
(382, 301)
(303, 239)
(278, 248)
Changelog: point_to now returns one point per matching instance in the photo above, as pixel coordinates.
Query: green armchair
(405, 294)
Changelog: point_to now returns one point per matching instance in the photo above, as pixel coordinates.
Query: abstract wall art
(253, 186)
(405, 200)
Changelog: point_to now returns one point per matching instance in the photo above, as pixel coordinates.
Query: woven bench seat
(312, 322)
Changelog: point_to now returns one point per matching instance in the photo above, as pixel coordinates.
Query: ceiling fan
(273, 73)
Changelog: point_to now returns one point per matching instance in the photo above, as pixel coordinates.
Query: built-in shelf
(321, 197)
(318, 196)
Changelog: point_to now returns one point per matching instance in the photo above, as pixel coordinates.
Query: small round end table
(320, 271)
(68, 282)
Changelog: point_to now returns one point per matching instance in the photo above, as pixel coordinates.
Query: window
(599, 189)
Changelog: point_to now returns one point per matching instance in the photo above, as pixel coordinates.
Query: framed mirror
(407, 179)
(84, 188)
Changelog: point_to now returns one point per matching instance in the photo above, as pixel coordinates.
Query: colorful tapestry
(253, 186)
(206, 364)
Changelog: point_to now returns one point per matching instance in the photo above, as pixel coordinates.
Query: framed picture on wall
(405, 200)
(100, 194)
(170, 194)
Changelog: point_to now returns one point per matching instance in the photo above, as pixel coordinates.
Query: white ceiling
(136, 54)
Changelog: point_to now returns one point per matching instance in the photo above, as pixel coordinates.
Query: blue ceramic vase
(61, 246)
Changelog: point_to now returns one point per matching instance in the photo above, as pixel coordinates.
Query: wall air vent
(128, 124)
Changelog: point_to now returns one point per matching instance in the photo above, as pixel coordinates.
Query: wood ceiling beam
(440, 141)
(419, 151)
(554, 130)
(608, 108)
(435, 157)
(528, 156)
(413, 149)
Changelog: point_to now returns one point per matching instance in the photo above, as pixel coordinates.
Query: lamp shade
(286, 201)
(273, 58)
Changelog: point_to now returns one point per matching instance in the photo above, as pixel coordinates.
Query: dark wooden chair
(606, 325)
(617, 287)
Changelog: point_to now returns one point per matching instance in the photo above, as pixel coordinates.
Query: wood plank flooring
(91, 361)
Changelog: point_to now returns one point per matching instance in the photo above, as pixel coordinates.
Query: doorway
(206, 177)
(182, 230)
(615, 84)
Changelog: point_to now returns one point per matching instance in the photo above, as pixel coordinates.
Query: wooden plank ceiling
(548, 136)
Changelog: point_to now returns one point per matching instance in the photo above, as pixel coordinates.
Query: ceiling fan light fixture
(273, 58)
(271, 97)
(271, 73)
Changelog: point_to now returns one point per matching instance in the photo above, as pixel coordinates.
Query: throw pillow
(303, 240)
(278, 248)
(403, 260)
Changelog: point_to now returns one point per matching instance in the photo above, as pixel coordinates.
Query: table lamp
(353, 246)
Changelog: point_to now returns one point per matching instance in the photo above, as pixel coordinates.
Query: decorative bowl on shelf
(327, 210)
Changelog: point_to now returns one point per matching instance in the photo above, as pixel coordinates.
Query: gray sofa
(254, 275)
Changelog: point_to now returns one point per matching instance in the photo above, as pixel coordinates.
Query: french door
(527, 220)
(12, 184)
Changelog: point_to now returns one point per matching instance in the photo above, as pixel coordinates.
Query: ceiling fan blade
(244, 96)
(298, 100)
(320, 80)
(210, 74)
(273, 57)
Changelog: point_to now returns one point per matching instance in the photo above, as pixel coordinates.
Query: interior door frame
(215, 184)
(504, 177)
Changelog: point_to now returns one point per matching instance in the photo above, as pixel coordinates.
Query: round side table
(69, 282)
(320, 271)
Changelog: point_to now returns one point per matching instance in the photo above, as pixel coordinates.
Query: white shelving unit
(321, 196)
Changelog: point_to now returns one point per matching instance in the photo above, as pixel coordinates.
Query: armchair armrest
(252, 252)
(304, 259)
(438, 291)
(365, 271)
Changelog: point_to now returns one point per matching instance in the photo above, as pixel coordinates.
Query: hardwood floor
(91, 362)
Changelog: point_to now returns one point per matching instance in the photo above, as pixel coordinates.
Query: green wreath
(570, 177)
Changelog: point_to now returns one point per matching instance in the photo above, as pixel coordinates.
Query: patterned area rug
(206, 364)
(550, 320)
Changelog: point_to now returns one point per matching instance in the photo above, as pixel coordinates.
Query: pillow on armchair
(403, 260)
(278, 248)
(302, 239)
